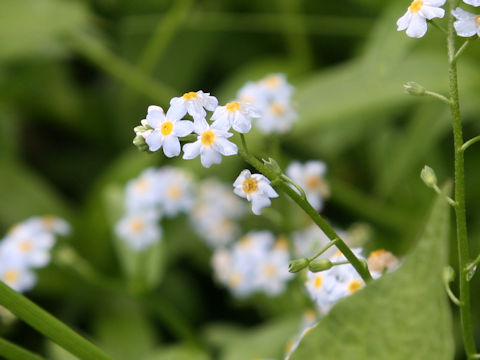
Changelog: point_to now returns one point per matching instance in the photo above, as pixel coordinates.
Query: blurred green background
(77, 76)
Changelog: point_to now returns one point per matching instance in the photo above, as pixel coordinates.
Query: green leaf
(265, 341)
(402, 316)
(177, 353)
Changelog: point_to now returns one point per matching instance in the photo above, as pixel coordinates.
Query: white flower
(211, 144)
(419, 11)
(194, 103)
(176, 190)
(468, 24)
(276, 87)
(310, 177)
(472, 2)
(16, 275)
(143, 192)
(29, 247)
(166, 130)
(236, 115)
(277, 117)
(255, 188)
(48, 223)
(380, 261)
(139, 229)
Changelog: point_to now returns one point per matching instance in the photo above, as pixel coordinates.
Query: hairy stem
(460, 213)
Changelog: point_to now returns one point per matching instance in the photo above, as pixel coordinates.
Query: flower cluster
(256, 263)
(272, 97)
(156, 193)
(26, 247)
(310, 177)
(414, 21)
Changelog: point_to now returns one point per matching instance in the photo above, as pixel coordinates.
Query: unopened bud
(320, 265)
(139, 129)
(139, 142)
(448, 274)
(428, 176)
(414, 88)
(297, 265)
(272, 165)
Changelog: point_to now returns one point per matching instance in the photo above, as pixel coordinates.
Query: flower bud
(448, 274)
(414, 88)
(428, 176)
(320, 265)
(297, 265)
(272, 165)
(139, 142)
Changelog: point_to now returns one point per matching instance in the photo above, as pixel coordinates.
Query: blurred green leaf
(402, 316)
(33, 27)
(124, 330)
(55, 352)
(177, 352)
(265, 341)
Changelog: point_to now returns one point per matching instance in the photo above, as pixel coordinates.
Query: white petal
(404, 21)
(176, 112)
(466, 28)
(191, 150)
(417, 27)
(218, 113)
(155, 118)
(171, 146)
(436, 3)
(239, 191)
(183, 128)
(209, 157)
(241, 123)
(258, 203)
(461, 14)
(431, 12)
(242, 177)
(210, 103)
(154, 140)
(225, 147)
(472, 2)
(200, 125)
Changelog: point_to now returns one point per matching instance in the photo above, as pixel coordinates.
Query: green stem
(359, 266)
(98, 54)
(438, 96)
(461, 49)
(11, 351)
(325, 248)
(298, 187)
(49, 326)
(461, 220)
(470, 143)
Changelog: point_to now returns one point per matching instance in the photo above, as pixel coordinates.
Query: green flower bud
(272, 165)
(428, 176)
(448, 274)
(297, 265)
(139, 142)
(414, 88)
(139, 129)
(320, 265)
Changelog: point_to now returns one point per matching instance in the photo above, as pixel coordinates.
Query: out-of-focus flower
(29, 247)
(467, 24)
(211, 144)
(380, 261)
(143, 192)
(166, 130)
(255, 188)
(16, 274)
(415, 19)
(472, 2)
(194, 103)
(236, 115)
(311, 178)
(139, 230)
(176, 191)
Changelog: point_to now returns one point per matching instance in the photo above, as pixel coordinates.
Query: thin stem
(11, 351)
(438, 96)
(244, 143)
(298, 187)
(325, 248)
(94, 51)
(439, 27)
(461, 50)
(359, 266)
(469, 143)
(461, 219)
(451, 295)
(445, 196)
(49, 326)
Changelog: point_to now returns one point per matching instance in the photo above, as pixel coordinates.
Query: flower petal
(171, 146)
(154, 140)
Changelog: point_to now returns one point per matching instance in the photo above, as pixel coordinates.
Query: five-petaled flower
(194, 103)
(255, 188)
(467, 24)
(419, 11)
(236, 115)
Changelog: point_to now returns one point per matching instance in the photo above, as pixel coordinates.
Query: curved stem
(359, 266)
(49, 326)
(460, 213)
(11, 351)
(470, 143)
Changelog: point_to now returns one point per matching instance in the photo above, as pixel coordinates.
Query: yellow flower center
(190, 95)
(11, 276)
(235, 280)
(25, 246)
(166, 128)
(208, 137)
(415, 6)
(233, 106)
(141, 185)
(354, 285)
(270, 270)
(312, 181)
(281, 243)
(174, 192)
(246, 98)
(48, 221)
(137, 225)
(378, 253)
(277, 109)
(272, 81)
(250, 185)
(477, 20)
(317, 283)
